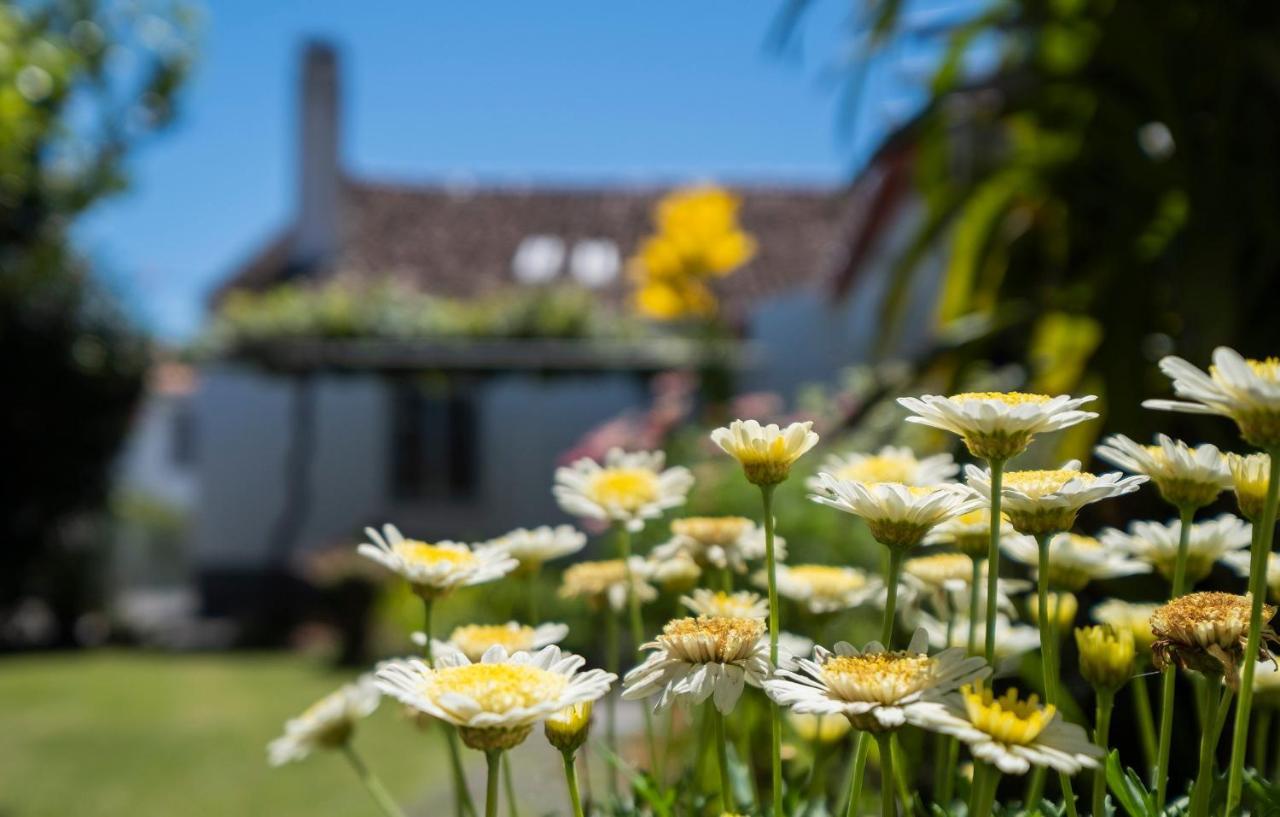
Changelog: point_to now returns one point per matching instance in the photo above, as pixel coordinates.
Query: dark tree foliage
(1108, 195)
(71, 108)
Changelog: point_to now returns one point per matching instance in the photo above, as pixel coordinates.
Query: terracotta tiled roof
(459, 242)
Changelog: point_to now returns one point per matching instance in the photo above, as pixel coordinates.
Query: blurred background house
(303, 441)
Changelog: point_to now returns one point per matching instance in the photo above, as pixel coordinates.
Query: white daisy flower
(435, 569)
(898, 516)
(1011, 639)
(699, 658)
(766, 453)
(890, 464)
(674, 574)
(874, 688)
(1074, 560)
(969, 533)
(327, 724)
(1239, 561)
(494, 702)
(1157, 544)
(1010, 733)
(629, 487)
(823, 588)
(997, 425)
(1247, 391)
(946, 578)
(1126, 615)
(1207, 632)
(605, 582)
(533, 547)
(1043, 502)
(1250, 475)
(718, 542)
(474, 640)
(1186, 476)
(743, 604)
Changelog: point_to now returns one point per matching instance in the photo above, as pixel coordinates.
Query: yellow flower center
(474, 639)
(1009, 398)
(712, 530)
(1268, 369)
(827, 581)
(627, 488)
(883, 677)
(1006, 719)
(731, 605)
(1037, 484)
(879, 468)
(711, 639)
(496, 687)
(421, 553)
(941, 568)
(593, 578)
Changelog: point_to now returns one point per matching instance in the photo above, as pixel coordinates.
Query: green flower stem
(371, 782)
(571, 780)
(775, 715)
(900, 772)
(494, 757)
(947, 790)
(993, 558)
(1048, 641)
(1068, 794)
(816, 789)
(1101, 734)
(1035, 790)
(986, 779)
(1261, 737)
(974, 599)
(462, 803)
(612, 659)
(1160, 774)
(888, 808)
(896, 555)
(509, 783)
(1204, 772)
(637, 638)
(1258, 587)
(856, 771)
(722, 756)
(1146, 723)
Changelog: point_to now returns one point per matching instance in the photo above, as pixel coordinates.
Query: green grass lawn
(116, 734)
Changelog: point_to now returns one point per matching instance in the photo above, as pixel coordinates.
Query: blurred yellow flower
(698, 238)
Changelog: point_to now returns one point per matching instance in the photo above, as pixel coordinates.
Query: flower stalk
(722, 757)
(462, 803)
(1160, 774)
(993, 558)
(494, 758)
(1101, 736)
(371, 782)
(888, 807)
(571, 781)
(1264, 532)
(775, 715)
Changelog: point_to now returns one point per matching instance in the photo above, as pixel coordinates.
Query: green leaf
(1128, 789)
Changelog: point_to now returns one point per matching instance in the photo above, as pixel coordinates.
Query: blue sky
(570, 91)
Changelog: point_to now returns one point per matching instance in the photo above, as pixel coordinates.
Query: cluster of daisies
(944, 534)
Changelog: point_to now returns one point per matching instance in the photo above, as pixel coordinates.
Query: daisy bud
(1134, 617)
(1062, 608)
(766, 453)
(1106, 656)
(567, 729)
(1249, 477)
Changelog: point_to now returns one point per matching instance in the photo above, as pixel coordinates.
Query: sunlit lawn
(114, 734)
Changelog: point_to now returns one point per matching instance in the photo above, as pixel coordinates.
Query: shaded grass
(117, 734)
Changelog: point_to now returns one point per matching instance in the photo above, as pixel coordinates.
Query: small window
(433, 443)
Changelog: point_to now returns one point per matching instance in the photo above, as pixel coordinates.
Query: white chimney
(319, 175)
